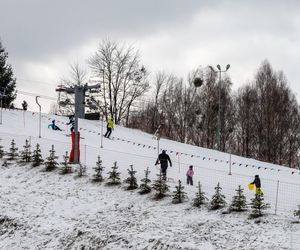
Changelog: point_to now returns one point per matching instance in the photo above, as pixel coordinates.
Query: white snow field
(46, 210)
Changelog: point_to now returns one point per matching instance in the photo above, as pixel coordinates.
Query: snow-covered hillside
(41, 210)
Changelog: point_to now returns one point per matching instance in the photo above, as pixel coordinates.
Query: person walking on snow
(109, 126)
(163, 159)
(257, 184)
(71, 122)
(189, 175)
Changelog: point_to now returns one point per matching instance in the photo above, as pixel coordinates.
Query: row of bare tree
(260, 120)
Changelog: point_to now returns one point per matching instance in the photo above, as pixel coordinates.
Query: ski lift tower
(79, 91)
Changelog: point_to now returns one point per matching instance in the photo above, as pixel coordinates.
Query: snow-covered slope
(42, 210)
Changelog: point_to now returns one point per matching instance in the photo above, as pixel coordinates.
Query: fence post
(276, 201)
(85, 154)
(178, 163)
(229, 164)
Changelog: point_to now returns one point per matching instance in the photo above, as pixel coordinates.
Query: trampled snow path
(48, 211)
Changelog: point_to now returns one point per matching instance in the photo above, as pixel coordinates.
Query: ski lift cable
(34, 94)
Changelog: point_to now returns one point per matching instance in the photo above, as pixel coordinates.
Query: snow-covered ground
(41, 210)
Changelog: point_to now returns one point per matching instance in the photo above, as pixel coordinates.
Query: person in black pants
(71, 122)
(163, 159)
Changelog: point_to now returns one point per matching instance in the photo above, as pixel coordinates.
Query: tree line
(260, 120)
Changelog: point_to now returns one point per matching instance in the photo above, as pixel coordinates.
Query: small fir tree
(26, 153)
(13, 151)
(97, 177)
(66, 169)
(160, 187)
(81, 170)
(51, 162)
(258, 205)
(1, 152)
(200, 197)
(131, 180)
(297, 212)
(114, 176)
(239, 202)
(144, 187)
(179, 195)
(37, 159)
(218, 199)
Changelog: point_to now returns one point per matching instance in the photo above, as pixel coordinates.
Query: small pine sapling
(26, 153)
(131, 180)
(258, 205)
(239, 203)
(200, 197)
(179, 195)
(13, 151)
(81, 170)
(37, 159)
(144, 187)
(66, 169)
(160, 187)
(297, 212)
(1, 152)
(114, 176)
(218, 199)
(51, 162)
(97, 177)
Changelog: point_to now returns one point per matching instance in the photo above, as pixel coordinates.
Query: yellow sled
(251, 186)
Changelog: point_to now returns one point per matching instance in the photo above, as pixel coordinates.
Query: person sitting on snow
(53, 126)
(257, 184)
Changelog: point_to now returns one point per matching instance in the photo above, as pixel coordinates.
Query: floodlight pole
(219, 101)
(40, 115)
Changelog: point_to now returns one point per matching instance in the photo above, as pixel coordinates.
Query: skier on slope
(109, 126)
(71, 123)
(53, 126)
(163, 159)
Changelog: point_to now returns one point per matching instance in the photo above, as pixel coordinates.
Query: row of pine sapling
(238, 204)
(34, 158)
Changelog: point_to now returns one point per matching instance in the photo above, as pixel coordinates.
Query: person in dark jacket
(163, 159)
(71, 123)
(257, 184)
(24, 105)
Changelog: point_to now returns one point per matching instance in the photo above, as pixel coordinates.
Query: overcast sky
(43, 37)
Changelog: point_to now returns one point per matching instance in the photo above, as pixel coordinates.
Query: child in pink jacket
(189, 175)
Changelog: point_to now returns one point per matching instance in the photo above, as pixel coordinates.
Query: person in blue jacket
(53, 126)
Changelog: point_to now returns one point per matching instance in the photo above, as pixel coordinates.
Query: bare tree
(77, 76)
(122, 76)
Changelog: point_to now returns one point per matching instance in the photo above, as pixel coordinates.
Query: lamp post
(2, 95)
(219, 105)
(40, 114)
